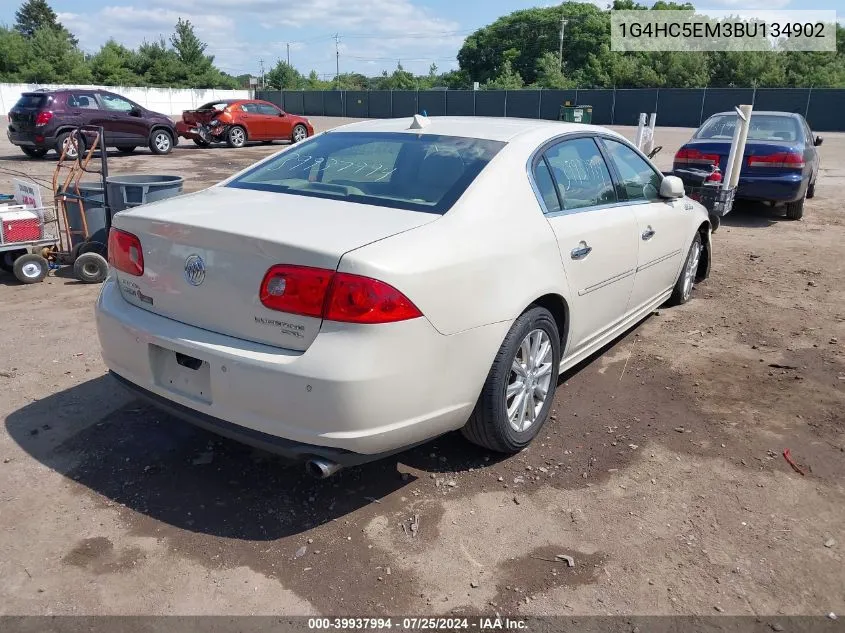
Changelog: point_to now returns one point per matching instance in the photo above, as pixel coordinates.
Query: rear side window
(31, 101)
(82, 102)
(580, 173)
(419, 172)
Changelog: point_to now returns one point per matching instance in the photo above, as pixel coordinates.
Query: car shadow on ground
(138, 456)
(748, 214)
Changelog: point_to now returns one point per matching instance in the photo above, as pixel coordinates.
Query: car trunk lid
(237, 245)
(22, 115)
(721, 149)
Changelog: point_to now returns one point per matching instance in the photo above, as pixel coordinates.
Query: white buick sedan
(389, 281)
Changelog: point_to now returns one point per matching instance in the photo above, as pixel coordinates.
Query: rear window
(214, 105)
(764, 127)
(420, 172)
(31, 101)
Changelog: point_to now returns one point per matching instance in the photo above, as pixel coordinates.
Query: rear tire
(201, 143)
(75, 145)
(126, 149)
(90, 268)
(527, 364)
(811, 190)
(236, 136)
(34, 152)
(682, 292)
(161, 142)
(31, 269)
(795, 210)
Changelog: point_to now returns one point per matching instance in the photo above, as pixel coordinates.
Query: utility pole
(261, 66)
(288, 53)
(563, 23)
(337, 57)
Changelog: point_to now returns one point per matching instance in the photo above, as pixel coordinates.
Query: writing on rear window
(419, 172)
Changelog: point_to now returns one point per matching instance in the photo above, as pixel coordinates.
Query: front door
(277, 122)
(597, 238)
(662, 225)
(124, 122)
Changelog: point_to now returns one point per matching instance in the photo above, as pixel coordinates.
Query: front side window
(637, 179)
(116, 104)
(580, 173)
(269, 110)
(419, 172)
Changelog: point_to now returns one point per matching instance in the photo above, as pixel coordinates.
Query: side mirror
(281, 114)
(672, 187)
(818, 141)
(135, 112)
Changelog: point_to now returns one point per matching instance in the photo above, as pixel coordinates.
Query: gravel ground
(661, 472)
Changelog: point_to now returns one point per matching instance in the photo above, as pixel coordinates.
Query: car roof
(485, 128)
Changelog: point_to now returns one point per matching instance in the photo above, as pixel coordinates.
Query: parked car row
(44, 120)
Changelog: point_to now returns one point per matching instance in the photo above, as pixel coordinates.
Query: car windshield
(764, 127)
(419, 172)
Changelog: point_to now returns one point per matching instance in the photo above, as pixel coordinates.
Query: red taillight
(317, 292)
(43, 118)
(296, 289)
(356, 299)
(688, 156)
(125, 252)
(788, 160)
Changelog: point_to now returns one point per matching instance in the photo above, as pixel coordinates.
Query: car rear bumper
(186, 130)
(365, 390)
(783, 188)
(31, 139)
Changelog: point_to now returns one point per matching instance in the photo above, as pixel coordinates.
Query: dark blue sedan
(780, 164)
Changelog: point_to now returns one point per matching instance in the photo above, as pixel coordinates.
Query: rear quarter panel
(483, 262)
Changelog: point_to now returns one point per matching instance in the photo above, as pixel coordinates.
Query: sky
(373, 34)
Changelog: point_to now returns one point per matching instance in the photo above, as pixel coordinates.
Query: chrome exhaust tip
(320, 468)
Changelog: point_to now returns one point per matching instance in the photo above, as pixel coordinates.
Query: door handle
(648, 233)
(581, 251)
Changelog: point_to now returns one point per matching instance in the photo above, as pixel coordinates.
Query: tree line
(519, 50)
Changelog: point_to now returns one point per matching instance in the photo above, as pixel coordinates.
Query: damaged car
(236, 122)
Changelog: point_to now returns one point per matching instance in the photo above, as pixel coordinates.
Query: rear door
(597, 237)
(253, 120)
(83, 108)
(661, 224)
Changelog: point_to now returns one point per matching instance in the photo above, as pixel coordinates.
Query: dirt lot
(661, 472)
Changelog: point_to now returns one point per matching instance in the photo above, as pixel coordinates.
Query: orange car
(236, 121)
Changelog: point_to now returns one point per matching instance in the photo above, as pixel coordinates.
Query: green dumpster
(576, 114)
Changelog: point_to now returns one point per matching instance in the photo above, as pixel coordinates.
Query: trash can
(130, 191)
(90, 199)
(576, 114)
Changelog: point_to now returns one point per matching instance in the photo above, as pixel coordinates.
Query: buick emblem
(194, 270)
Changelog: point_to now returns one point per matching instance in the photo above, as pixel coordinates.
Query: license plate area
(182, 374)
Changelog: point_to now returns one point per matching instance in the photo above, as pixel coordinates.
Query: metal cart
(705, 186)
(27, 258)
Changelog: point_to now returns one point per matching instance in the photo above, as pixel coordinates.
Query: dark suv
(43, 120)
